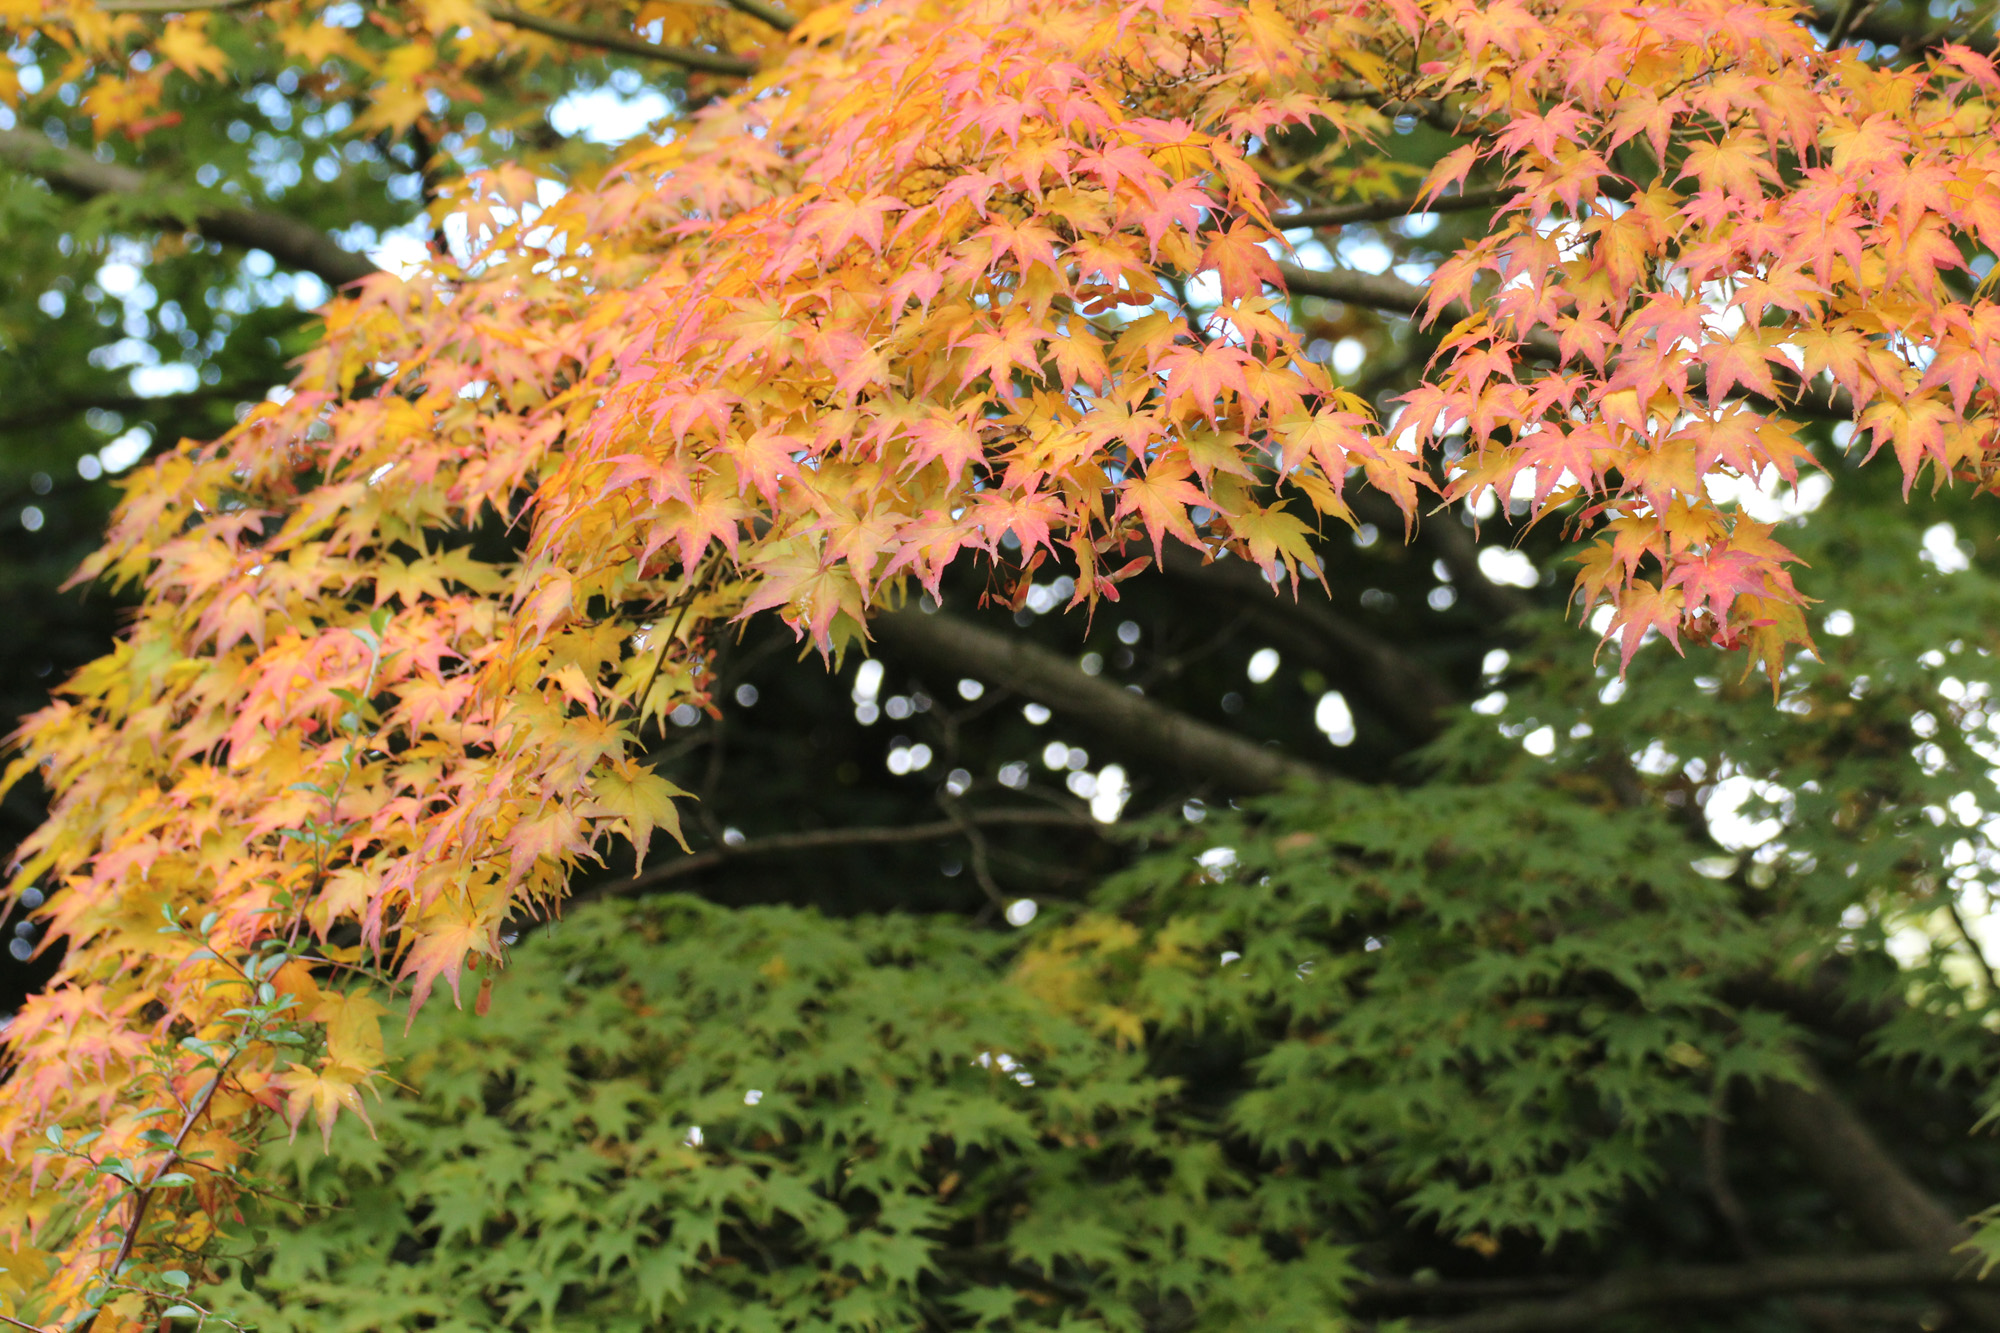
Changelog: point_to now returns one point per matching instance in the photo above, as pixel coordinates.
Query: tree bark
(1140, 727)
(1870, 1185)
(1700, 1285)
(293, 243)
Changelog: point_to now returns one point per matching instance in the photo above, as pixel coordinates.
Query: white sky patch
(126, 450)
(1333, 717)
(1737, 830)
(1365, 253)
(1769, 499)
(1943, 551)
(1508, 567)
(606, 115)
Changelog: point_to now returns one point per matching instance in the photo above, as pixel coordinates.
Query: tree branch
(1382, 210)
(819, 839)
(1394, 296)
(168, 6)
(1409, 693)
(626, 43)
(1141, 727)
(1869, 1184)
(775, 15)
(1883, 32)
(1706, 1284)
(293, 243)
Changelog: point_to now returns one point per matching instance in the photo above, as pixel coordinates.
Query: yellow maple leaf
(323, 1092)
(643, 801)
(186, 47)
(353, 1028)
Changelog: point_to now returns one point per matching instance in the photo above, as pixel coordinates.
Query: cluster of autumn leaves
(915, 296)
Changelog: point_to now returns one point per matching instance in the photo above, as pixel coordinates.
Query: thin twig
(168, 6)
(1978, 954)
(144, 1198)
(817, 839)
(1382, 210)
(982, 863)
(775, 15)
(627, 43)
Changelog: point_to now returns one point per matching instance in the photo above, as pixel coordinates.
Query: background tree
(1512, 1032)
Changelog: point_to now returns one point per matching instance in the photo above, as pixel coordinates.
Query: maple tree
(905, 288)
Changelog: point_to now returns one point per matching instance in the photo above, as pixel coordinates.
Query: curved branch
(1713, 1284)
(1142, 728)
(626, 43)
(1869, 1184)
(818, 839)
(1382, 210)
(293, 243)
(1884, 32)
(1394, 296)
(1404, 689)
(168, 6)
(775, 15)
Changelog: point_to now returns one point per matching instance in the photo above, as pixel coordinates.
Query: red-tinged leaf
(1643, 606)
(1739, 164)
(1272, 535)
(1329, 438)
(324, 1092)
(1743, 360)
(943, 438)
(440, 947)
(1239, 260)
(996, 355)
(835, 222)
(1161, 498)
(1199, 378)
(555, 834)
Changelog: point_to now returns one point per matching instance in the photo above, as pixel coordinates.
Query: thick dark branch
(1382, 210)
(1409, 693)
(627, 43)
(169, 6)
(821, 839)
(775, 15)
(1140, 727)
(1394, 296)
(50, 413)
(293, 243)
(1886, 32)
(1870, 1185)
(1715, 1284)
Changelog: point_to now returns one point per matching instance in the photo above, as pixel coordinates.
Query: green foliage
(1473, 1010)
(1272, 1057)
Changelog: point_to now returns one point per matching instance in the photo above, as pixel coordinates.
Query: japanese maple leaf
(324, 1092)
(1240, 261)
(835, 222)
(1640, 607)
(1742, 360)
(1180, 204)
(1715, 580)
(996, 355)
(941, 437)
(1198, 377)
(1738, 164)
(440, 947)
(1161, 498)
